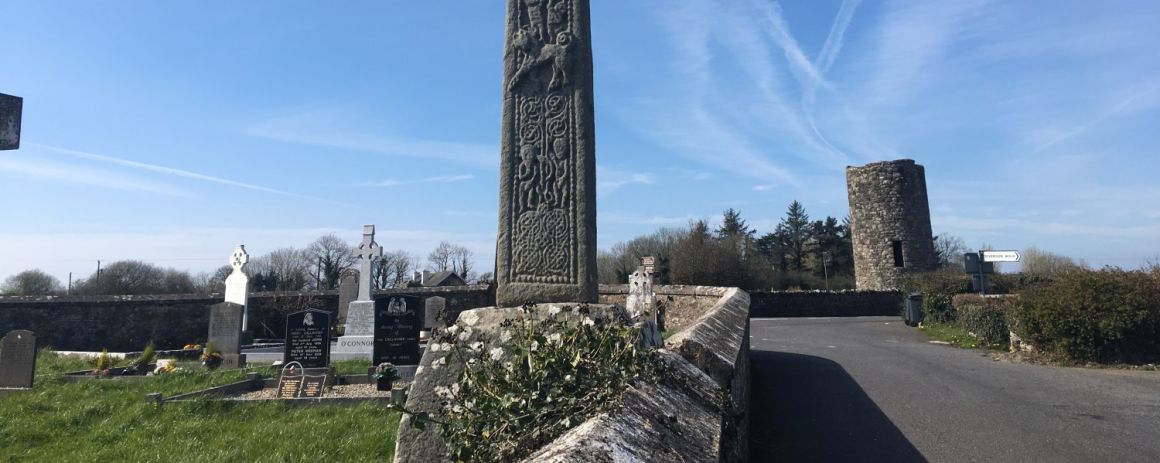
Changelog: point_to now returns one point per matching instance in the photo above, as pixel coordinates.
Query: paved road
(873, 389)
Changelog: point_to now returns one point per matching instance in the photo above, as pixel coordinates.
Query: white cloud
(78, 175)
(169, 171)
(438, 179)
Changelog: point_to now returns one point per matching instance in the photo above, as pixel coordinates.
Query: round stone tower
(889, 223)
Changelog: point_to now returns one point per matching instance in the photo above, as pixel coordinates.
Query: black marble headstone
(18, 359)
(308, 338)
(397, 325)
(296, 382)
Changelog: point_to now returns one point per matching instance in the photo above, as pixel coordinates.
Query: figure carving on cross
(367, 252)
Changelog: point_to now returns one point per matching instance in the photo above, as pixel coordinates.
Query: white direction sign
(1000, 256)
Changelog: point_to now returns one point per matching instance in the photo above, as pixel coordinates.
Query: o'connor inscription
(547, 246)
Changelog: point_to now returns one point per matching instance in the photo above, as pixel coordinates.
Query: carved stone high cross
(367, 252)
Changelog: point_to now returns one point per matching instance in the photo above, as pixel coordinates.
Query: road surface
(873, 389)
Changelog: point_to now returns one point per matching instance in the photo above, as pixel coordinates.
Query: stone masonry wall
(824, 303)
(888, 203)
(126, 323)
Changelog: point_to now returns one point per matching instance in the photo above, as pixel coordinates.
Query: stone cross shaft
(546, 245)
(367, 252)
(10, 111)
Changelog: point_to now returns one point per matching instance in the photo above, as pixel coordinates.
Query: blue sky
(170, 132)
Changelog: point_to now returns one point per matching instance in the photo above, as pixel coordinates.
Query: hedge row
(1108, 315)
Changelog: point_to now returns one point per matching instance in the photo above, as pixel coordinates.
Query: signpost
(982, 263)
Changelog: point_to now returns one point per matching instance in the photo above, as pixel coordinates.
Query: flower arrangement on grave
(165, 366)
(210, 357)
(385, 374)
(148, 354)
(192, 346)
(546, 372)
(102, 364)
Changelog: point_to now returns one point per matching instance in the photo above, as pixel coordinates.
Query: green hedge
(985, 317)
(1109, 315)
(937, 289)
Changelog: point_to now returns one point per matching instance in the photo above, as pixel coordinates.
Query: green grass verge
(109, 420)
(956, 337)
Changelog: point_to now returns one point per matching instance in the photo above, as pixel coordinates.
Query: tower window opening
(897, 253)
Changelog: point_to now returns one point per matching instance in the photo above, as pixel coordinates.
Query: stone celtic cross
(238, 284)
(367, 252)
(10, 110)
(239, 259)
(546, 245)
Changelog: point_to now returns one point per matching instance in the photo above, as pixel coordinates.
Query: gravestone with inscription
(358, 336)
(546, 250)
(298, 382)
(397, 328)
(308, 338)
(225, 332)
(11, 108)
(17, 359)
(347, 290)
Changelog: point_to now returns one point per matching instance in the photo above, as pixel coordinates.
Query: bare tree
(285, 269)
(31, 283)
(441, 258)
(461, 261)
(393, 269)
(949, 250)
(332, 255)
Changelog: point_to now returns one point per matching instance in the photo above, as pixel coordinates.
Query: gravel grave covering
(344, 391)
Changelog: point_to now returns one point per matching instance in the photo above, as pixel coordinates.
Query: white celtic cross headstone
(367, 252)
(238, 284)
(358, 336)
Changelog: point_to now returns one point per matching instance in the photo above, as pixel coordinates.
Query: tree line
(797, 253)
(319, 266)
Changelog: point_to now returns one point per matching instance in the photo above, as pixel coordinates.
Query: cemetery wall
(824, 303)
(126, 323)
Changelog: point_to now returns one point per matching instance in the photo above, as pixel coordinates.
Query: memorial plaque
(10, 112)
(225, 332)
(308, 338)
(296, 382)
(18, 359)
(397, 325)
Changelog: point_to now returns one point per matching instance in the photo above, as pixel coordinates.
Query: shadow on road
(806, 408)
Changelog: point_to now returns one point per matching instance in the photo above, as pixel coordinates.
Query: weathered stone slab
(546, 245)
(11, 108)
(347, 290)
(433, 306)
(18, 359)
(225, 332)
(482, 324)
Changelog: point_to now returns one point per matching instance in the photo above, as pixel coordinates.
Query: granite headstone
(17, 359)
(308, 338)
(347, 290)
(397, 326)
(433, 307)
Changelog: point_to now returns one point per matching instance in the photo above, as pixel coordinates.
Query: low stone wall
(682, 304)
(126, 323)
(697, 412)
(824, 303)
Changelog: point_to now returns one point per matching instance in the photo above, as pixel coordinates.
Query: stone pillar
(11, 108)
(889, 223)
(546, 245)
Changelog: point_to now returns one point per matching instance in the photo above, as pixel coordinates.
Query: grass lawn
(109, 420)
(957, 337)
